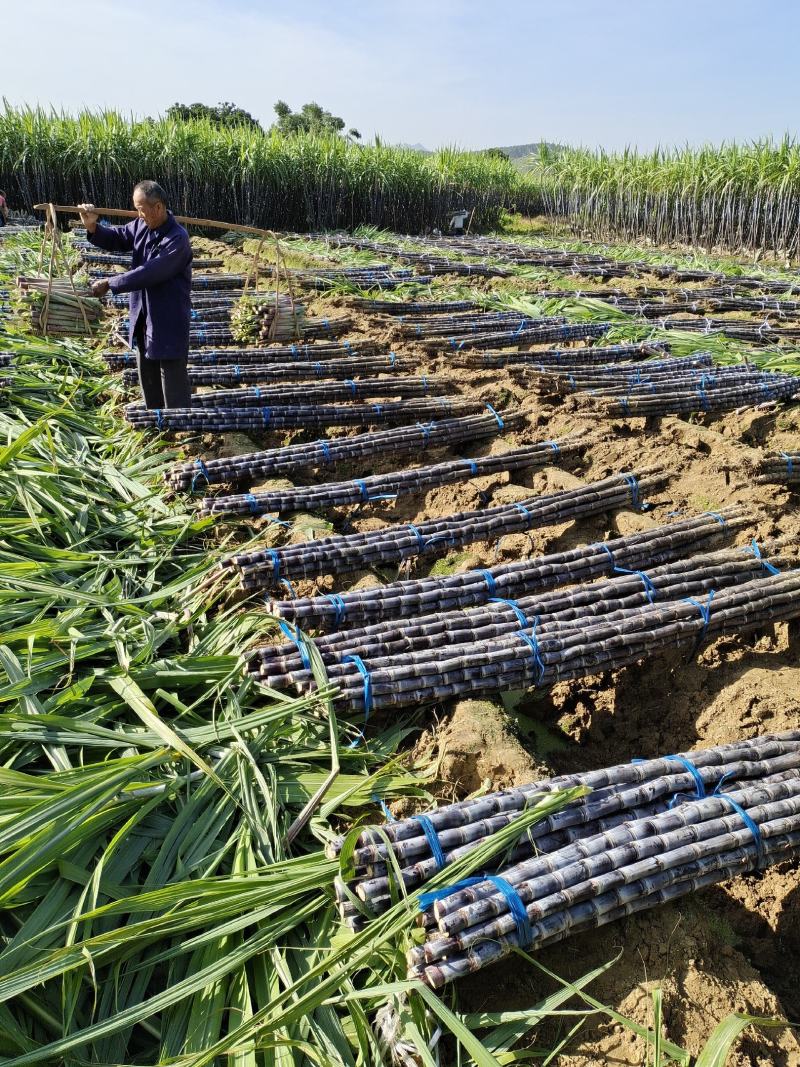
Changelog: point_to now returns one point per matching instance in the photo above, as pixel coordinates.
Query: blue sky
(595, 72)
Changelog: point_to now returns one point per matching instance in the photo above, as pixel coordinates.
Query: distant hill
(520, 154)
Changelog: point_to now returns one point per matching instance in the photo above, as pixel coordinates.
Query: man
(160, 287)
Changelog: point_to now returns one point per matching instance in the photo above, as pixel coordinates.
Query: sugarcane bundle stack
(400, 307)
(556, 612)
(742, 828)
(763, 332)
(120, 259)
(389, 486)
(585, 645)
(285, 417)
(440, 265)
(783, 467)
(393, 545)
(521, 335)
(473, 322)
(568, 357)
(325, 392)
(60, 307)
(199, 298)
(395, 442)
(270, 316)
(333, 369)
(219, 281)
(726, 394)
(617, 797)
(423, 596)
(680, 373)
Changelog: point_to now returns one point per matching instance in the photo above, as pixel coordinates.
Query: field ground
(735, 947)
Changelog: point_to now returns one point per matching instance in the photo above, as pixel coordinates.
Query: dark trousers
(164, 382)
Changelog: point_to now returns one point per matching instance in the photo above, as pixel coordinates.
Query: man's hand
(100, 287)
(89, 216)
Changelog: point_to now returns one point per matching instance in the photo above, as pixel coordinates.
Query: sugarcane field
(399, 551)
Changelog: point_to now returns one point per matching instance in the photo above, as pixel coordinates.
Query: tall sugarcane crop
(392, 545)
(618, 795)
(326, 392)
(557, 612)
(396, 442)
(422, 596)
(331, 369)
(615, 872)
(282, 417)
(396, 483)
(524, 660)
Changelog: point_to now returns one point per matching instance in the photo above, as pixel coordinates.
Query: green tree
(224, 114)
(496, 153)
(311, 118)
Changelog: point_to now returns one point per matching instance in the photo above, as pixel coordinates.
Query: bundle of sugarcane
(59, 306)
(568, 357)
(644, 379)
(522, 335)
(391, 485)
(211, 312)
(476, 322)
(308, 329)
(219, 281)
(763, 332)
(285, 417)
(325, 392)
(703, 399)
(423, 596)
(618, 795)
(743, 827)
(199, 298)
(270, 316)
(400, 307)
(557, 612)
(451, 266)
(280, 372)
(524, 659)
(296, 353)
(399, 441)
(392, 545)
(781, 467)
(120, 259)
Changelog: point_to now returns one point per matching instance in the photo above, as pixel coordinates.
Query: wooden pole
(185, 220)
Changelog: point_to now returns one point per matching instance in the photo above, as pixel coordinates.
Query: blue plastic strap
(554, 446)
(362, 486)
(362, 670)
(326, 324)
(432, 838)
(347, 347)
(526, 513)
(500, 422)
(768, 567)
(716, 515)
(519, 328)
(351, 385)
(699, 784)
(251, 502)
(159, 419)
(287, 585)
(257, 392)
(606, 549)
(339, 606)
(377, 409)
(490, 582)
(265, 415)
(633, 485)
(418, 535)
(532, 641)
(392, 359)
(473, 467)
(426, 431)
(326, 452)
(649, 588)
(705, 612)
(276, 563)
(426, 899)
(293, 349)
(318, 368)
(518, 910)
(237, 373)
(202, 472)
(296, 640)
(382, 805)
(751, 826)
(522, 618)
(789, 463)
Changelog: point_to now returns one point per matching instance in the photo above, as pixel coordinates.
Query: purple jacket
(159, 283)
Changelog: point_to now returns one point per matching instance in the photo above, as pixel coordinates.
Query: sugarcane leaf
(716, 1050)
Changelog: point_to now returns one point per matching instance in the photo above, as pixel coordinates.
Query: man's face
(153, 213)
